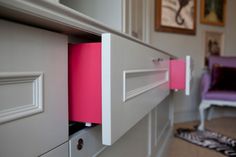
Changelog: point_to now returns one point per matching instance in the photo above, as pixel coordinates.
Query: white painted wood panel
(139, 140)
(160, 127)
(60, 151)
(25, 50)
(189, 74)
(122, 108)
(133, 144)
(21, 95)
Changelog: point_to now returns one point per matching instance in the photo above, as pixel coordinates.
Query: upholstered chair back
(222, 61)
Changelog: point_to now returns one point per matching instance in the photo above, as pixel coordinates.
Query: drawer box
(129, 81)
(181, 74)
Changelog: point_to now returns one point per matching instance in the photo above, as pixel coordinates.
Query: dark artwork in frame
(213, 12)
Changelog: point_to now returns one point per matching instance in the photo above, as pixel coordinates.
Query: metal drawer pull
(157, 60)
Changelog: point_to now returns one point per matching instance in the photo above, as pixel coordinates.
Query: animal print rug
(209, 139)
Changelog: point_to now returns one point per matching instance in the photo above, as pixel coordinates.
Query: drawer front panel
(86, 143)
(33, 90)
(135, 79)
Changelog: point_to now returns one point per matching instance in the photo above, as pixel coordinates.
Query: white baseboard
(214, 112)
(186, 116)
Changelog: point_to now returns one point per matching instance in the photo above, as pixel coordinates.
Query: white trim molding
(135, 92)
(20, 111)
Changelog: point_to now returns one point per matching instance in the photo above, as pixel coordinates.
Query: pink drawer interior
(85, 82)
(177, 74)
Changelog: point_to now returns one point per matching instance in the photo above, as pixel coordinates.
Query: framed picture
(213, 12)
(176, 16)
(214, 44)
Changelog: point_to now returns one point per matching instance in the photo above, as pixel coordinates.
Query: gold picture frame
(213, 12)
(176, 16)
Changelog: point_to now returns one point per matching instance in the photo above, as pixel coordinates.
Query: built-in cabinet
(127, 16)
(34, 82)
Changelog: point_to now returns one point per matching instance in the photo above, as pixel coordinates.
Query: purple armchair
(218, 85)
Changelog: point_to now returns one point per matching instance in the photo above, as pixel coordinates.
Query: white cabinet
(135, 19)
(135, 78)
(127, 16)
(33, 90)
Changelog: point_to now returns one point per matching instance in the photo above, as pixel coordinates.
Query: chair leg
(202, 119)
(203, 106)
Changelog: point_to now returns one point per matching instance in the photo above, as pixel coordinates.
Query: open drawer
(181, 71)
(134, 79)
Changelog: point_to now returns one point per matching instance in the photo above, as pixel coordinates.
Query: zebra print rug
(209, 139)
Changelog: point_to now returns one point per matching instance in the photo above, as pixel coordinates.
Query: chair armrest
(205, 83)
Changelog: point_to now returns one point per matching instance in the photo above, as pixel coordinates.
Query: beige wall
(186, 107)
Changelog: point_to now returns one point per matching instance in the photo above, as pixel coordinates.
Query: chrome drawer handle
(157, 60)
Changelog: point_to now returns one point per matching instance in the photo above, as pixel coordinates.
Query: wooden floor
(180, 148)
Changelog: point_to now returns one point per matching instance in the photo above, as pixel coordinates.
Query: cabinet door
(135, 79)
(33, 90)
(135, 18)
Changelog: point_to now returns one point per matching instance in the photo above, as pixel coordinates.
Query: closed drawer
(33, 90)
(60, 151)
(135, 79)
(86, 143)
